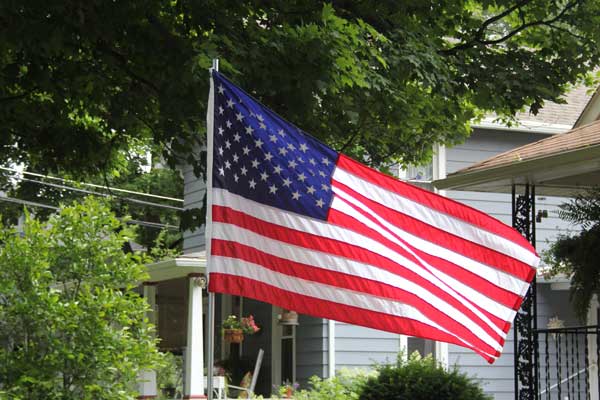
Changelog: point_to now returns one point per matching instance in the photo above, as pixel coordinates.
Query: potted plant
(234, 329)
(288, 317)
(287, 389)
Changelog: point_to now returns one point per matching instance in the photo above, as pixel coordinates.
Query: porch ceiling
(560, 165)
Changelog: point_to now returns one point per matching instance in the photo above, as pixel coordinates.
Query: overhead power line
(92, 185)
(28, 203)
(148, 224)
(130, 199)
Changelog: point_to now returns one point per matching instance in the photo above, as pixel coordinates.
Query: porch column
(147, 378)
(331, 348)
(592, 320)
(441, 353)
(525, 325)
(194, 357)
(403, 344)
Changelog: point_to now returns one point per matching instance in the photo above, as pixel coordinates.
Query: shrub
(346, 385)
(420, 379)
(170, 377)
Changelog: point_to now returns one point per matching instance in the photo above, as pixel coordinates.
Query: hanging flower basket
(233, 335)
(288, 317)
(234, 329)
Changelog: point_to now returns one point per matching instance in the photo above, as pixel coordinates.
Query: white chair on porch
(250, 389)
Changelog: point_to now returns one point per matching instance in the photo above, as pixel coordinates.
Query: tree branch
(478, 37)
(122, 61)
(349, 141)
(481, 31)
(530, 24)
(498, 17)
(560, 28)
(123, 64)
(15, 97)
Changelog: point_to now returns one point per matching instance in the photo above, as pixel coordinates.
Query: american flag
(298, 225)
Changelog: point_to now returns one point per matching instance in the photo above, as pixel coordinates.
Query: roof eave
(533, 171)
(523, 127)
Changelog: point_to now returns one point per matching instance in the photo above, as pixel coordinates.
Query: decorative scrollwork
(525, 324)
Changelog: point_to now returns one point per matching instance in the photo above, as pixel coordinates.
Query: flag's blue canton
(260, 156)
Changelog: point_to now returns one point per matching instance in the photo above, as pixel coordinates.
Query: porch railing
(568, 363)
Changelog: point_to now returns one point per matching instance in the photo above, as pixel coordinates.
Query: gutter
(524, 126)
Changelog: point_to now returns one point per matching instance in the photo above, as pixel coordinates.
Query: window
(419, 172)
(423, 175)
(423, 346)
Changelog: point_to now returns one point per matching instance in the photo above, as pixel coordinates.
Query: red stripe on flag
(495, 292)
(335, 247)
(242, 286)
(350, 282)
(457, 244)
(432, 200)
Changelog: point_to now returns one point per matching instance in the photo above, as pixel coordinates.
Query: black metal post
(525, 325)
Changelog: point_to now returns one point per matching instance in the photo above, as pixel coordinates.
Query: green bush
(420, 379)
(346, 385)
(170, 377)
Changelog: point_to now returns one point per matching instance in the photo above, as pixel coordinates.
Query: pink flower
(248, 325)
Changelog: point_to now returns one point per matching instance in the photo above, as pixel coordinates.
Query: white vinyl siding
(193, 197)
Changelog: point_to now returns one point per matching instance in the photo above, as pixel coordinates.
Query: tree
(71, 324)
(575, 255)
(382, 81)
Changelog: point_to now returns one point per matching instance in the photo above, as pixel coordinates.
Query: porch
(177, 293)
(557, 363)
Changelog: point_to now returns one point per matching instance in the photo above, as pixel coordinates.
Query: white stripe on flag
(435, 218)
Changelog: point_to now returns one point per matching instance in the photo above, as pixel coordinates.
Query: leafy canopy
(81, 82)
(71, 324)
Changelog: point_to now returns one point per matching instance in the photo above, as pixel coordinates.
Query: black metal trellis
(525, 325)
(568, 362)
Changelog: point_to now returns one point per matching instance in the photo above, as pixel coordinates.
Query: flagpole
(208, 234)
